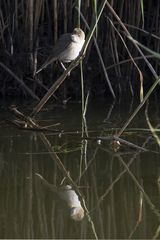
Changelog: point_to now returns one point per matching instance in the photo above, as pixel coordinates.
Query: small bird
(67, 48)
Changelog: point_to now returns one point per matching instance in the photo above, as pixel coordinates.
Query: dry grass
(29, 28)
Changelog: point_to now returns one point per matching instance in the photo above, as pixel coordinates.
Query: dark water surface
(120, 189)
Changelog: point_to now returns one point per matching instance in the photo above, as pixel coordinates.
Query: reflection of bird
(68, 196)
(67, 48)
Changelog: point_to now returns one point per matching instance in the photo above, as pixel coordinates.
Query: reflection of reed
(111, 194)
(28, 220)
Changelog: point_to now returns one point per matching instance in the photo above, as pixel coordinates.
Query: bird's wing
(63, 43)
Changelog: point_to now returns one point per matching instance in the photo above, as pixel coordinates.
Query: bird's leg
(64, 68)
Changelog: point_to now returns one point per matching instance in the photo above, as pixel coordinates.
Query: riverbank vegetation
(113, 63)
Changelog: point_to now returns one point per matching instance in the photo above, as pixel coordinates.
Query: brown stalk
(54, 87)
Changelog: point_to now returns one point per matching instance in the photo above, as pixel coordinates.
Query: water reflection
(68, 196)
(120, 189)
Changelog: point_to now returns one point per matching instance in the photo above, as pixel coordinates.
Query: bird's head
(80, 34)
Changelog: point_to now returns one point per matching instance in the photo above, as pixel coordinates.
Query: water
(30, 209)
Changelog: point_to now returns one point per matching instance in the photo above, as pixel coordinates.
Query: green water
(27, 210)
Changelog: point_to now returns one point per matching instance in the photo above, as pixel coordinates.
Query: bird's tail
(47, 62)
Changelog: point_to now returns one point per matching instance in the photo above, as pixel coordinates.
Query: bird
(66, 49)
